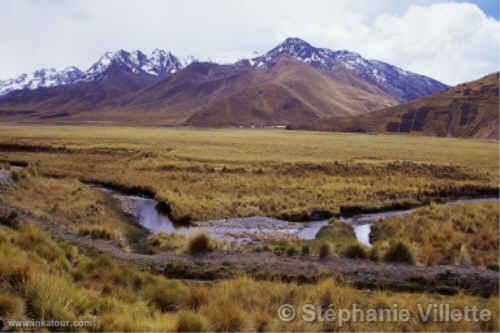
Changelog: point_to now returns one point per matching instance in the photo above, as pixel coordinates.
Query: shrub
(355, 251)
(189, 321)
(325, 250)
(306, 250)
(400, 252)
(199, 244)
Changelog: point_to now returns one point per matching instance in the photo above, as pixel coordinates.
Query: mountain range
(159, 63)
(294, 82)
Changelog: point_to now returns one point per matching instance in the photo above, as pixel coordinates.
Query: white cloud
(454, 42)
(450, 41)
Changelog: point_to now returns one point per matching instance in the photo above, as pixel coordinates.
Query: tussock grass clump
(15, 272)
(325, 250)
(198, 296)
(199, 244)
(355, 251)
(54, 297)
(96, 233)
(16, 176)
(291, 251)
(373, 254)
(189, 321)
(226, 316)
(338, 233)
(39, 241)
(306, 250)
(11, 306)
(168, 296)
(399, 252)
(166, 242)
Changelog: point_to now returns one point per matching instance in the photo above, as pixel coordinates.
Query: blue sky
(452, 41)
(490, 7)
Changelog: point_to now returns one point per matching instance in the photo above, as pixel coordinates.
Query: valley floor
(83, 241)
(209, 174)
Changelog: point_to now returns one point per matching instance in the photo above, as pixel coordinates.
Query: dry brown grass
(223, 173)
(117, 297)
(207, 174)
(73, 204)
(455, 234)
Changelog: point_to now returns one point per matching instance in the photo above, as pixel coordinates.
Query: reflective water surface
(255, 228)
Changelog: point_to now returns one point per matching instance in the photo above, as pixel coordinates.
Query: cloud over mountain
(450, 41)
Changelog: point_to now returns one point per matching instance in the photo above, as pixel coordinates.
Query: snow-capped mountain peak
(394, 80)
(187, 60)
(159, 63)
(44, 77)
(163, 62)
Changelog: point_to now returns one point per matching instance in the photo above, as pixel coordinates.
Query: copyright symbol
(286, 312)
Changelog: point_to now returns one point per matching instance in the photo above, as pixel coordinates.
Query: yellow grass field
(204, 173)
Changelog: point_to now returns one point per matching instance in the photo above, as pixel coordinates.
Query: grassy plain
(206, 174)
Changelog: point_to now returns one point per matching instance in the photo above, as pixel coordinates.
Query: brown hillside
(467, 110)
(290, 91)
(65, 101)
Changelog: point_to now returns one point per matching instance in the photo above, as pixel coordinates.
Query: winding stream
(255, 228)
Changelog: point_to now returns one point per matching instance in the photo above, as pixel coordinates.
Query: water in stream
(256, 228)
